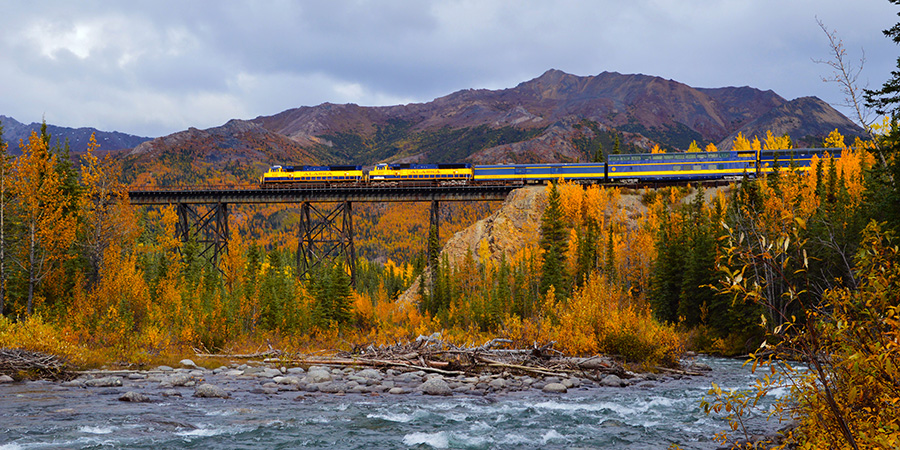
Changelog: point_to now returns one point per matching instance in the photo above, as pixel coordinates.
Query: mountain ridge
(15, 131)
(555, 117)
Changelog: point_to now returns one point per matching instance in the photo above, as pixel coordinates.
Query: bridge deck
(319, 194)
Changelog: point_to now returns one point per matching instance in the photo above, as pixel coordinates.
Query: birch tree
(46, 224)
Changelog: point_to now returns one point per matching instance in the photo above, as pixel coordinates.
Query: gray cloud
(156, 67)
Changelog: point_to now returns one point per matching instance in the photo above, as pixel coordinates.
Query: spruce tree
(699, 263)
(4, 173)
(666, 272)
(598, 152)
(554, 243)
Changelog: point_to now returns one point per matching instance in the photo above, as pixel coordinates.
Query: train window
(658, 157)
(720, 166)
(676, 168)
(697, 167)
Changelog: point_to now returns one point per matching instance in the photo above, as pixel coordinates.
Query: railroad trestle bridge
(324, 233)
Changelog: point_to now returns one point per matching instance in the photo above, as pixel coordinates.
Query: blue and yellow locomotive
(289, 175)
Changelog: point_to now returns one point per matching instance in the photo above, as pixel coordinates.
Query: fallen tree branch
(521, 368)
(19, 363)
(373, 363)
(239, 355)
(680, 372)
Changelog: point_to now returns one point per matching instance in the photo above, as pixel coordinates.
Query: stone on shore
(6, 379)
(187, 363)
(210, 391)
(555, 388)
(104, 382)
(613, 381)
(318, 375)
(436, 386)
(135, 397)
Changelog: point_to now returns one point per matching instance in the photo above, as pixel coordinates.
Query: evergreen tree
(883, 199)
(598, 151)
(554, 243)
(616, 150)
(331, 290)
(666, 276)
(4, 173)
(699, 264)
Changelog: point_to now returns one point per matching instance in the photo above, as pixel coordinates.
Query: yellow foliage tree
(834, 140)
(693, 148)
(48, 226)
(777, 143)
(107, 216)
(741, 143)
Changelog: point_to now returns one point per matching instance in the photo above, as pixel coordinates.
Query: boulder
(332, 388)
(179, 379)
(436, 386)
(318, 375)
(187, 363)
(269, 373)
(371, 374)
(613, 381)
(135, 397)
(210, 391)
(104, 382)
(555, 388)
(6, 379)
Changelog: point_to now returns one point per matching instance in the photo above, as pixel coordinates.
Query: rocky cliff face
(506, 232)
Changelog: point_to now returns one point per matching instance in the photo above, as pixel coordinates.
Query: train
(625, 169)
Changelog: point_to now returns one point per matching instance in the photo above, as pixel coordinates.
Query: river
(650, 415)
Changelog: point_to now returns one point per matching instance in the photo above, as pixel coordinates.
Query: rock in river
(209, 390)
(104, 382)
(555, 388)
(436, 386)
(135, 397)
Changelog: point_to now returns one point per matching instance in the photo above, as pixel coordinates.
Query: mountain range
(15, 132)
(554, 117)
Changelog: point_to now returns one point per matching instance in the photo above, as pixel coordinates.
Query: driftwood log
(433, 355)
(20, 364)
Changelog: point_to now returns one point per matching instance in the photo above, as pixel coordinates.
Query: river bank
(273, 379)
(261, 412)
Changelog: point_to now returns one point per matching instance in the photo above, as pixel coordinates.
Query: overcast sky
(156, 67)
